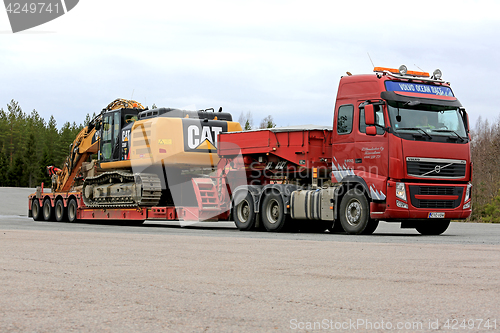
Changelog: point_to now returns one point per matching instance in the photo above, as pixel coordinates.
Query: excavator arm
(85, 144)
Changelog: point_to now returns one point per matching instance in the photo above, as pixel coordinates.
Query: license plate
(436, 215)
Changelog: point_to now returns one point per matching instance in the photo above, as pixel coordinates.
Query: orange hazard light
(396, 71)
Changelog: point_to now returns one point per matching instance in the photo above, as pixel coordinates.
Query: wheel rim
(353, 212)
(244, 211)
(273, 211)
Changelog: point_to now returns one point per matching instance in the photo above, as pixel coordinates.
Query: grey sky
(282, 58)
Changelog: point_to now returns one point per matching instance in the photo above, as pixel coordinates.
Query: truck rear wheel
(36, 210)
(244, 214)
(48, 210)
(273, 212)
(433, 227)
(72, 208)
(60, 211)
(354, 212)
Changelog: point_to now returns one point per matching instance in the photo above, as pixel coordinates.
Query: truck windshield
(427, 120)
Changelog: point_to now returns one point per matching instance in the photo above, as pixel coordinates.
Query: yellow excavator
(130, 156)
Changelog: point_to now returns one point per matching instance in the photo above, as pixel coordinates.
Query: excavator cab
(113, 134)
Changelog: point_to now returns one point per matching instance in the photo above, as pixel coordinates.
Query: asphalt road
(57, 277)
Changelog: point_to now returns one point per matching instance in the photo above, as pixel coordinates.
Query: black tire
(371, 227)
(436, 227)
(36, 210)
(273, 212)
(71, 210)
(354, 212)
(244, 214)
(60, 211)
(48, 210)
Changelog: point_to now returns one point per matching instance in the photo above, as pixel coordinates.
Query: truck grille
(435, 168)
(443, 204)
(454, 192)
(437, 190)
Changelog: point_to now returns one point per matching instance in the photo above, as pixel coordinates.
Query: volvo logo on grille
(435, 167)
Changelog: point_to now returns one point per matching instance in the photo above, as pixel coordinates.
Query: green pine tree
(31, 162)
(4, 167)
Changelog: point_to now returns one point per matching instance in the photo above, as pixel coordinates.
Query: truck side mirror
(369, 115)
(465, 118)
(371, 130)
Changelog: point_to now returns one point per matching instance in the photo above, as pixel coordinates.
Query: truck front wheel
(273, 212)
(354, 212)
(244, 214)
(433, 227)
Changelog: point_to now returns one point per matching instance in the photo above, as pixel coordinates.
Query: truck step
(206, 194)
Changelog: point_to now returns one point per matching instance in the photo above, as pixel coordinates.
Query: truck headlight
(401, 191)
(467, 192)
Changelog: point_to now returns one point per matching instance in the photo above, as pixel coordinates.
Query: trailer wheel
(273, 212)
(48, 210)
(433, 227)
(354, 212)
(244, 214)
(72, 208)
(36, 210)
(60, 211)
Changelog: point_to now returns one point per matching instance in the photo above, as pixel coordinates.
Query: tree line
(485, 149)
(29, 143)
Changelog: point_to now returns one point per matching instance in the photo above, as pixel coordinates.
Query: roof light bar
(400, 71)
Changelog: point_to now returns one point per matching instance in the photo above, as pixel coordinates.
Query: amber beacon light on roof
(403, 71)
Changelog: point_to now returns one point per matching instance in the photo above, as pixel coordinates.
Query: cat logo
(125, 135)
(201, 136)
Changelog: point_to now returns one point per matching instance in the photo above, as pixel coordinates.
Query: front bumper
(424, 201)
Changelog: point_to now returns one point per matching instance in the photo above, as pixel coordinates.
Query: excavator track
(118, 189)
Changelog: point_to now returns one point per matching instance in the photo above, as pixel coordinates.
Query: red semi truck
(398, 151)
